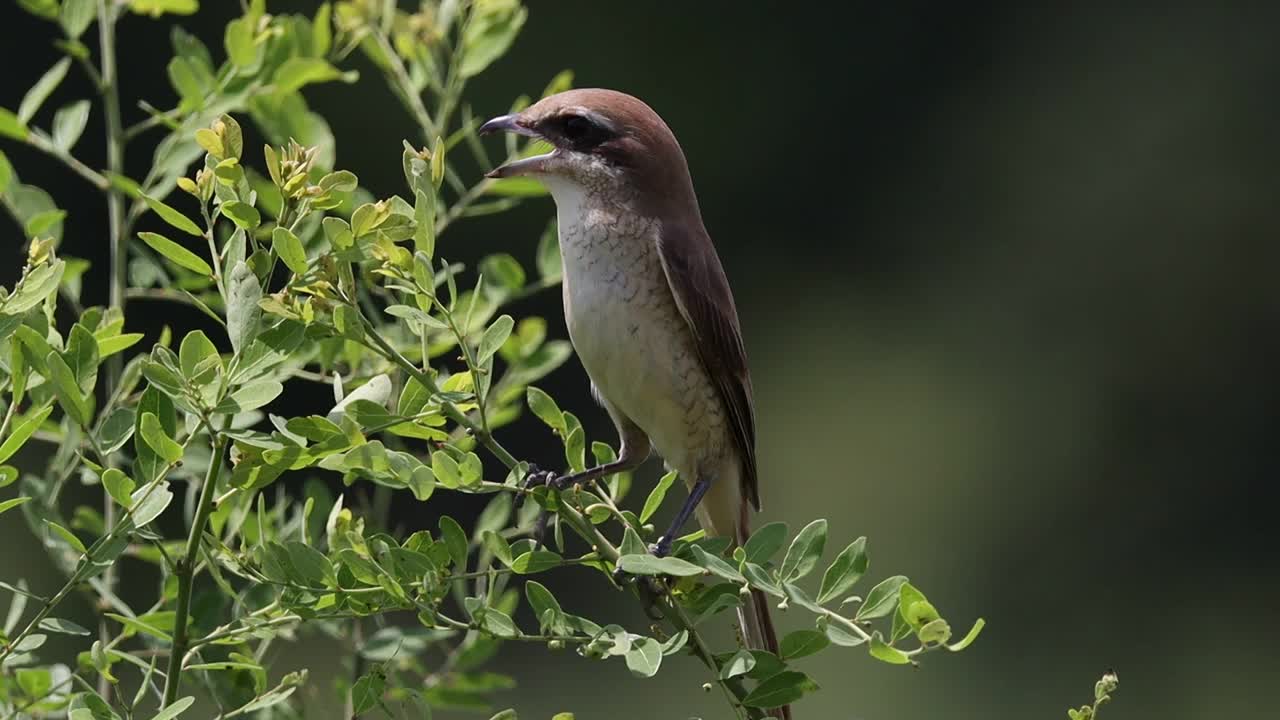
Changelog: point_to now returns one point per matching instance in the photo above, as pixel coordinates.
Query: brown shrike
(648, 307)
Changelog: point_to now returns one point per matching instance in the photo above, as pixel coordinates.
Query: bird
(649, 309)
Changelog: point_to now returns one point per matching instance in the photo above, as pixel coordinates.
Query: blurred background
(1006, 278)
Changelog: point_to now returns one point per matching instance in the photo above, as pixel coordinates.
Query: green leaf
(717, 566)
(548, 256)
(119, 486)
(783, 688)
(250, 397)
(502, 271)
(239, 41)
(198, 358)
(173, 217)
(66, 627)
(446, 469)
(242, 214)
(22, 432)
(40, 222)
(631, 543)
(802, 643)
(882, 599)
(490, 33)
(765, 542)
(298, 72)
(507, 714)
(175, 708)
(116, 429)
(117, 343)
(887, 653)
(499, 623)
(535, 561)
(82, 357)
(156, 8)
(289, 248)
(8, 475)
(493, 337)
(845, 571)
(540, 599)
(545, 408)
(69, 123)
(12, 503)
(650, 565)
(242, 306)
(39, 284)
(840, 635)
(6, 172)
(645, 657)
(311, 564)
(11, 126)
(76, 16)
(805, 551)
(158, 440)
(174, 252)
(969, 637)
(657, 495)
(67, 535)
(914, 607)
(740, 664)
(40, 92)
(455, 540)
(67, 389)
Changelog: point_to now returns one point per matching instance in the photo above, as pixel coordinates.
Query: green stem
(186, 573)
(40, 142)
(108, 82)
(402, 86)
(451, 411)
(115, 164)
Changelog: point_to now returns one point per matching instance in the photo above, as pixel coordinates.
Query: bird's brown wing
(702, 294)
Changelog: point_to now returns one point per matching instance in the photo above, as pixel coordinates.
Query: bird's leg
(634, 451)
(663, 547)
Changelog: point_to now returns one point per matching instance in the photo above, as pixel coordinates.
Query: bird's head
(602, 141)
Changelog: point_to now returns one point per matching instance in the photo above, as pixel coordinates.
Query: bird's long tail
(724, 510)
(754, 619)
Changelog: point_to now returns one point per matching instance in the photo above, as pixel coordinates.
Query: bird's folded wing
(702, 294)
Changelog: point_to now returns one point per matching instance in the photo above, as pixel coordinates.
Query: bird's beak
(523, 166)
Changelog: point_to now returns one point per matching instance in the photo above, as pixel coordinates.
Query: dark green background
(1006, 278)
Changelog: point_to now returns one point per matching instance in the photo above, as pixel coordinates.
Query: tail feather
(755, 620)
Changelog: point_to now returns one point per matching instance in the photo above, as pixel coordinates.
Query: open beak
(523, 166)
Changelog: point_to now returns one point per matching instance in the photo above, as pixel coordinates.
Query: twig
(186, 572)
(109, 84)
(38, 141)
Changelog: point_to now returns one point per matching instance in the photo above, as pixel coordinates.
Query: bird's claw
(662, 548)
(533, 477)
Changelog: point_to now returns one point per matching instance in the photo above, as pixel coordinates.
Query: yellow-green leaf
(173, 217)
(179, 255)
(158, 440)
(289, 248)
(21, 433)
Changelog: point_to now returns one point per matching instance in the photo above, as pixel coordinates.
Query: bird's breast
(630, 336)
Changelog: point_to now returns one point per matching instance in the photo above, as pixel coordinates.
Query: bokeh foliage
(311, 280)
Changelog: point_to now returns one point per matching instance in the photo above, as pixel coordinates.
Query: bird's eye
(580, 132)
(577, 127)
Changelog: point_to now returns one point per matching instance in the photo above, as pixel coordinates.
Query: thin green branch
(186, 572)
(451, 411)
(38, 141)
(109, 85)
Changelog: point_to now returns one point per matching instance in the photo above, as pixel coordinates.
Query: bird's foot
(533, 478)
(662, 548)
